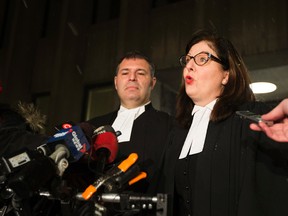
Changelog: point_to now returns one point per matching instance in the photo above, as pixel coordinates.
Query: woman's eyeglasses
(199, 59)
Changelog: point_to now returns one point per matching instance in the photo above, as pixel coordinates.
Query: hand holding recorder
(279, 130)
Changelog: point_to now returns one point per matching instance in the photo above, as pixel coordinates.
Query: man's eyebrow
(141, 69)
(124, 70)
(137, 69)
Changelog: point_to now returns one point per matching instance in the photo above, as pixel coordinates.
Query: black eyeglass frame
(210, 56)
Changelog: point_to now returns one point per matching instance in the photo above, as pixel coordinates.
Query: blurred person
(23, 126)
(214, 163)
(22, 130)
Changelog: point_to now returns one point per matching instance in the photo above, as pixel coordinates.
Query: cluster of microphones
(27, 172)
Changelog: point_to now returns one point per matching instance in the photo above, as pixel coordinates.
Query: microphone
(105, 147)
(44, 163)
(39, 171)
(72, 139)
(59, 156)
(60, 152)
(32, 176)
(113, 173)
(105, 143)
(88, 129)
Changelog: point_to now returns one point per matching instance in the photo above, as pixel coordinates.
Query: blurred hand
(279, 130)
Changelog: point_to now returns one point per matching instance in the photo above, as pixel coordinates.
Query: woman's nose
(190, 65)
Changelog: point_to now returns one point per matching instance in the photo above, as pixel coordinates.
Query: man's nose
(132, 76)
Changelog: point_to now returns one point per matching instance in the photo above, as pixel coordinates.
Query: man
(143, 128)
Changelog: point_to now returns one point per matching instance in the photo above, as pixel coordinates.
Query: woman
(215, 164)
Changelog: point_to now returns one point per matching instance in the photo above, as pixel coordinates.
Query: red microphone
(105, 146)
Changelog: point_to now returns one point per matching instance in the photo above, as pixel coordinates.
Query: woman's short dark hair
(236, 91)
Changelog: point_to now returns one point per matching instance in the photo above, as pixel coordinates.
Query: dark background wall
(53, 51)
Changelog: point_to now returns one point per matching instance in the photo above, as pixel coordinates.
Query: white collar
(125, 120)
(195, 139)
(208, 106)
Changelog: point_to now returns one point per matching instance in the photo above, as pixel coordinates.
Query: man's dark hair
(137, 55)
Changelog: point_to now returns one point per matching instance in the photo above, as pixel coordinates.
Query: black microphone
(32, 176)
(38, 171)
(74, 144)
(29, 170)
(88, 129)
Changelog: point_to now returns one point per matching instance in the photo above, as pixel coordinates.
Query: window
(99, 100)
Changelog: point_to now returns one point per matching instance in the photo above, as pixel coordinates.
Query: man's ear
(153, 82)
(115, 83)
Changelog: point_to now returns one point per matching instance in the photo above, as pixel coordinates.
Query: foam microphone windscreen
(107, 141)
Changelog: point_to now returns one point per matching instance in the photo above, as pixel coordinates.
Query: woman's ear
(226, 78)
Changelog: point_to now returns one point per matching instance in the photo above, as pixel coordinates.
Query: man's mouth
(131, 87)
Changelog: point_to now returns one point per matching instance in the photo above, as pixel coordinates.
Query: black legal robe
(148, 139)
(240, 172)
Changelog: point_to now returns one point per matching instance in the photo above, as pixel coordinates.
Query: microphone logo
(62, 134)
(66, 126)
(77, 142)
